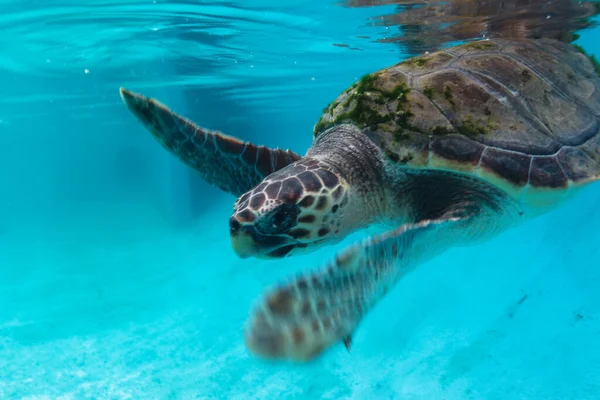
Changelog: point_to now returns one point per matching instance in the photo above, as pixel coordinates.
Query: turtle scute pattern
(320, 195)
(520, 113)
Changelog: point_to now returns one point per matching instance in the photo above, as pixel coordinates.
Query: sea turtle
(440, 150)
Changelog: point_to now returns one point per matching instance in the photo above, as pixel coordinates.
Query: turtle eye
(278, 219)
(282, 219)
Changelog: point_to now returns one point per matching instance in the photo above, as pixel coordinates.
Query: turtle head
(294, 210)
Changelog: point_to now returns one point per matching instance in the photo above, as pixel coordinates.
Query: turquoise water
(117, 278)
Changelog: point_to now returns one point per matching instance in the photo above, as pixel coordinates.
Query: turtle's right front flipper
(298, 320)
(224, 161)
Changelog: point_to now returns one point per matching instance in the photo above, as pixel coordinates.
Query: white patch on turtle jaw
(302, 238)
(297, 248)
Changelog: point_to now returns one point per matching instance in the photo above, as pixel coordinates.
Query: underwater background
(117, 277)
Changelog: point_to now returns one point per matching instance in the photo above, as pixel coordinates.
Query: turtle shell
(522, 114)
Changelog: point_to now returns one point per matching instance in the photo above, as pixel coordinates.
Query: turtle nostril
(234, 225)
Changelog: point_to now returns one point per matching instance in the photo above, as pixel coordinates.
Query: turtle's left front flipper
(224, 161)
(298, 320)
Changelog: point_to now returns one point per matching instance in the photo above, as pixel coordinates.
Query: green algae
(392, 156)
(440, 131)
(447, 93)
(418, 61)
(319, 126)
(591, 57)
(361, 100)
(480, 45)
(428, 92)
(471, 129)
(366, 83)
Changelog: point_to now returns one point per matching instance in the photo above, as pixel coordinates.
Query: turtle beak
(241, 240)
(248, 242)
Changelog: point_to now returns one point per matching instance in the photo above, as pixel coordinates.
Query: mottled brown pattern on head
(344, 201)
(323, 232)
(273, 190)
(241, 205)
(260, 187)
(246, 216)
(307, 201)
(244, 197)
(329, 179)
(299, 233)
(337, 193)
(257, 201)
(310, 181)
(307, 219)
(321, 203)
(291, 190)
(295, 169)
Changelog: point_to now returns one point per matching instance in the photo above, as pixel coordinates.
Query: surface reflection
(427, 26)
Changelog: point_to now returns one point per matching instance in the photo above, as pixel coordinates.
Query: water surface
(117, 279)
